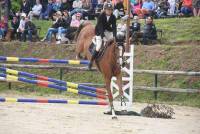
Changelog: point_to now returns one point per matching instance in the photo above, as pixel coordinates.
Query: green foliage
(16, 5)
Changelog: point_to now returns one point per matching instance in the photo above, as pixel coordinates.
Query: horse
(107, 64)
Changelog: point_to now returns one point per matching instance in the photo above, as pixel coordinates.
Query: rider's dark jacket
(103, 24)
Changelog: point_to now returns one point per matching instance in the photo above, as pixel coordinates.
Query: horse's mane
(82, 25)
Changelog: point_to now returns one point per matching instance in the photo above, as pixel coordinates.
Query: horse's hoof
(114, 117)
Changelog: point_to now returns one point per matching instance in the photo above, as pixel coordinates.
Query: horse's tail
(82, 25)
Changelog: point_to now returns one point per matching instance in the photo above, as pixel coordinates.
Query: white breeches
(108, 36)
(120, 54)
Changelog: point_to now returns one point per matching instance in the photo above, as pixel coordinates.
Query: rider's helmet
(108, 6)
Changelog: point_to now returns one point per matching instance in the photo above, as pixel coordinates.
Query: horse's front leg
(121, 92)
(110, 97)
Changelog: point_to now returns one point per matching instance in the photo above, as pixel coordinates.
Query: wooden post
(61, 74)
(9, 85)
(128, 27)
(156, 85)
(61, 77)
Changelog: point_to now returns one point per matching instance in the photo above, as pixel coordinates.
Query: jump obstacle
(39, 60)
(57, 101)
(127, 88)
(53, 86)
(59, 82)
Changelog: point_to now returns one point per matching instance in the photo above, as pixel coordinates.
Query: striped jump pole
(59, 82)
(39, 60)
(53, 86)
(60, 101)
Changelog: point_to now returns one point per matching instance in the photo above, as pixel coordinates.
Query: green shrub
(16, 5)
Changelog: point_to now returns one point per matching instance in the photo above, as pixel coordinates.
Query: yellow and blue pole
(58, 82)
(60, 101)
(40, 60)
(46, 84)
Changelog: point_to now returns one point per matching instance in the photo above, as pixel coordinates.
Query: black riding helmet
(108, 6)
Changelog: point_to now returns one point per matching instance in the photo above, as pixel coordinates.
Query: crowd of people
(67, 15)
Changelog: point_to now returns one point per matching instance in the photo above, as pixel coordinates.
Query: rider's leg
(120, 54)
(108, 35)
(98, 46)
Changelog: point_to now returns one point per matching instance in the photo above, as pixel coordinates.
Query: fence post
(9, 85)
(156, 85)
(61, 77)
(61, 74)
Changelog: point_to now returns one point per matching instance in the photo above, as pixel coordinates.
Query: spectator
(77, 4)
(196, 7)
(100, 4)
(30, 30)
(86, 4)
(44, 4)
(3, 27)
(25, 7)
(94, 4)
(186, 8)
(18, 15)
(76, 21)
(86, 8)
(136, 5)
(163, 8)
(121, 31)
(172, 7)
(77, 7)
(65, 5)
(119, 9)
(64, 27)
(147, 8)
(31, 3)
(14, 27)
(178, 6)
(48, 12)
(135, 27)
(135, 30)
(107, 1)
(57, 5)
(36, 10)
(99, 7)
(54, 29)
(149, 32)
(21, 27)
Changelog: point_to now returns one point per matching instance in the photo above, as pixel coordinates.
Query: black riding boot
(94, 55)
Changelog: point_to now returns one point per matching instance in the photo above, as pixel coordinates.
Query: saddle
(102, 50)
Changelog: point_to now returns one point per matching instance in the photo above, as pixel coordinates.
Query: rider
(105, 29)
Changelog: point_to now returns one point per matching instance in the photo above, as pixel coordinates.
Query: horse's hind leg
(78, 51)
(110, 97)
(78, 56)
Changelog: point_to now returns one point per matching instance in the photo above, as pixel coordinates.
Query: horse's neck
(110, 53)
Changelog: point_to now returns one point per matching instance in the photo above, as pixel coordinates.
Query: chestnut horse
(108, 64)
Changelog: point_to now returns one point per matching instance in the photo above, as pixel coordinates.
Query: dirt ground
(19, 118)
